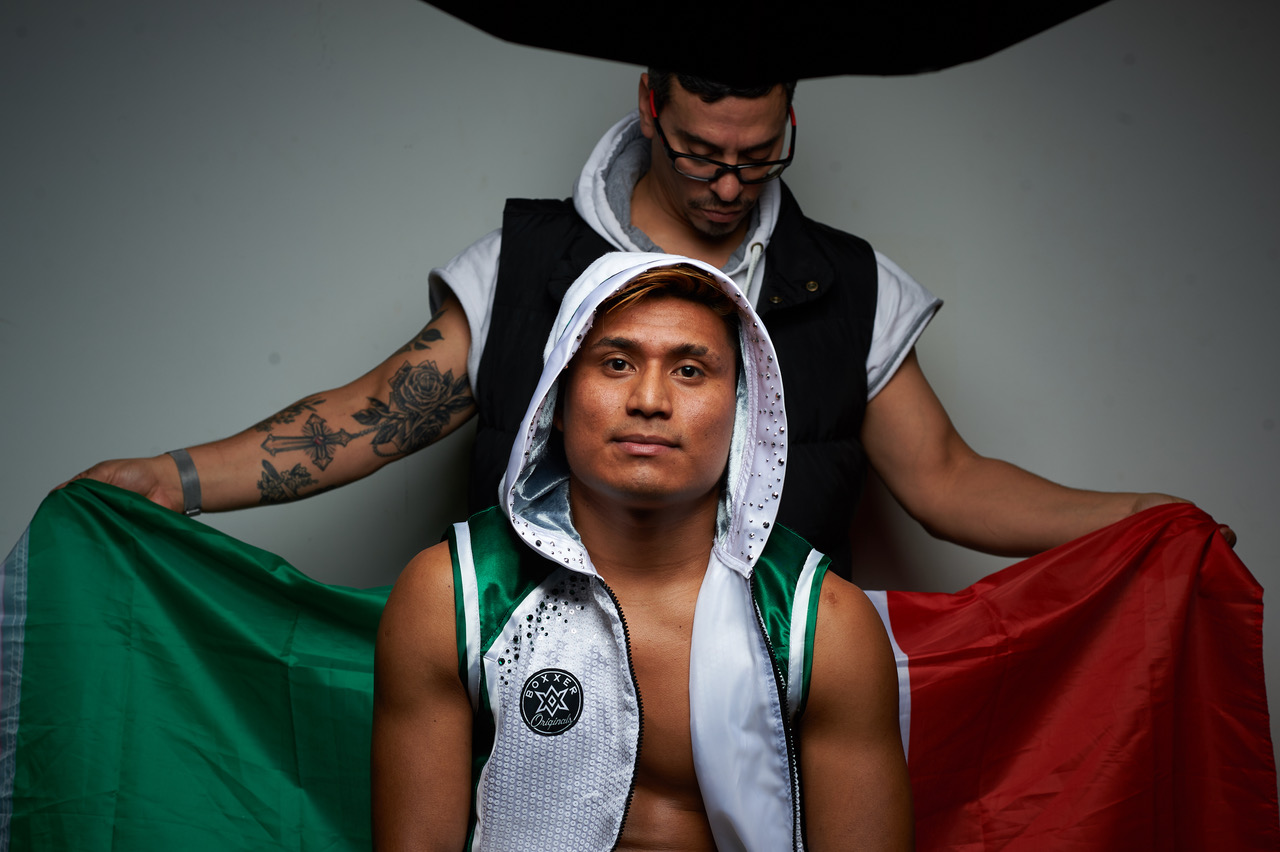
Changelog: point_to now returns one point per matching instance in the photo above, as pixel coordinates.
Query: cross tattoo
(316, 438)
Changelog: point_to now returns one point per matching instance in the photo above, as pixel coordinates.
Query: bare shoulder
(849, 632)
(415, 663)
(857, 792)
(418, 620)
(855, 678)
(420, 755)
(426, 572)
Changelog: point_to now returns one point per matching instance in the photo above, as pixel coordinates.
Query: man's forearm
(996, 507)
(971, 500)
(324, 440)
(330, 439)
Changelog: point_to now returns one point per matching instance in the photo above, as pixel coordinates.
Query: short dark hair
(709, 90)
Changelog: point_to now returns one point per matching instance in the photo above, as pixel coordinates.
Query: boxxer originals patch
(551, 702)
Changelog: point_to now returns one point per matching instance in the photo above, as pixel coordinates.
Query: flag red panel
(1107, 694)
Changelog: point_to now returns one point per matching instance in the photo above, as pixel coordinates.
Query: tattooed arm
(415, 397)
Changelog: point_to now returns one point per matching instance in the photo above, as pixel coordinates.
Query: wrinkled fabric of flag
(167, 687)
(164, 686)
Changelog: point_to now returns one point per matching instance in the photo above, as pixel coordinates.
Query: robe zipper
(788, 732)
(635, 684)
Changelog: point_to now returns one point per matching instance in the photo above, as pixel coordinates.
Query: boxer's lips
(644, 445)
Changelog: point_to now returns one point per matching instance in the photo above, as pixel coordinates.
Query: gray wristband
(190, 482)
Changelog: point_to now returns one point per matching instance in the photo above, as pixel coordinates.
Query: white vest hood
(535, 488)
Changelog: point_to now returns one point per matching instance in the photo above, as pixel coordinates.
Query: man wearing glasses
(693, 171)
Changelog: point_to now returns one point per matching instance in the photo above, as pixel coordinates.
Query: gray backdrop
(208, 210)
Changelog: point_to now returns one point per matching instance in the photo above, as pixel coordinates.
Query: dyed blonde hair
(682, 281)
(679, 281)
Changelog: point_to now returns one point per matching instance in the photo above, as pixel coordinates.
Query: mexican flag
(164, 686)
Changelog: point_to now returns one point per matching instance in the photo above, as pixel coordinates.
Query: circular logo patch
(551, 702)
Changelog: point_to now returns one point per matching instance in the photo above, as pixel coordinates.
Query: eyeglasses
(707, 169)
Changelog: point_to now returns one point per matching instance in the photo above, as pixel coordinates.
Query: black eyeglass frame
(724, 168)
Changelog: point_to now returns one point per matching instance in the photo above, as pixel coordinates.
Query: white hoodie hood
(535, 487)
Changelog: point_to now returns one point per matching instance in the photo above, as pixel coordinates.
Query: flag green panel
(180, 689)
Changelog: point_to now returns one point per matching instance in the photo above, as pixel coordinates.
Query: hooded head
(748, 394)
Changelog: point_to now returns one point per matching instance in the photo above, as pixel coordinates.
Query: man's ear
(646, 116)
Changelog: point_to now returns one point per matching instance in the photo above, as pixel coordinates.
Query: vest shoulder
(835, 236)
(545, 208)
(785, 551)
(790, 216)
(539, 231)
(495, 549)
(490, 521)
(498, 565)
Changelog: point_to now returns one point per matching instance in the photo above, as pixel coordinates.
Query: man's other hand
(155, 478)
(1148, 501)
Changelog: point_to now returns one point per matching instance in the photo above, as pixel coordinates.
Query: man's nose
(650, 396)
(727, 187)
